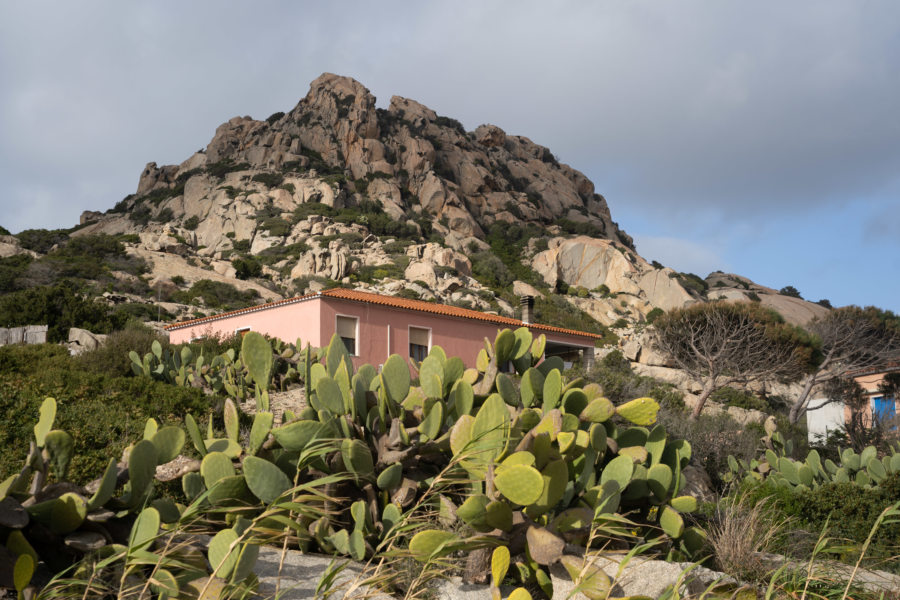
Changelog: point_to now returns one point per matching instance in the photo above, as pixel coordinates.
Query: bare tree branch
(852, 339)
(724, 343)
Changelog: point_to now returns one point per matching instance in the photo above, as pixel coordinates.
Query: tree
(791, 291)
(849, 339)
(725, 343)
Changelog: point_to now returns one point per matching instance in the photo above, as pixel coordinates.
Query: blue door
(884, 408)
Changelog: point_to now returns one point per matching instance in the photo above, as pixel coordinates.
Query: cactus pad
(640, 411)
(431, 543)
(265, 480)
(521, 484)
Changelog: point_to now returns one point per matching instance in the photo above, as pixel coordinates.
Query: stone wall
(29, 334)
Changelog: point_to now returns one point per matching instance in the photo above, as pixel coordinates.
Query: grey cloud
(730, 108)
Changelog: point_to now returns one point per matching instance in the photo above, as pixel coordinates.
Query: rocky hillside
(397, 200)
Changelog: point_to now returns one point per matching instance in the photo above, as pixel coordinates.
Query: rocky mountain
(397, 200)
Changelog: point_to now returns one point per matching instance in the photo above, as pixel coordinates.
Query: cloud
(682, 255)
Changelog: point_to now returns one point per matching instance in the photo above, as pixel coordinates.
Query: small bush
(741, 399)
(61, 307)
(41, 240)
(274, 117)
(276, 226)
(191, 223)
(245, 268)
(225, 166)
(101, 411)
(164, 216)
(654, 314)
(580, 228)
(693, 283)
(791, 291)
(216, 294)
(848, 510)
(272, 180)
(111, 358)
(713, 439)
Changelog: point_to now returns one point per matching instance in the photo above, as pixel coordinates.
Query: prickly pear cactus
(865, 469)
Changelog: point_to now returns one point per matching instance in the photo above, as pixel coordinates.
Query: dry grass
(741, 532)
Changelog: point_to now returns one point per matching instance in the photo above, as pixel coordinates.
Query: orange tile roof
(239, 311)
(394, 302)
(443, 309)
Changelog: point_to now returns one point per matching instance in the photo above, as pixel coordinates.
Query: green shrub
(276, 226)
(41, 240)
(555, 310)
(241, 245)
(274, 254)
(274, 117)
(92, 257)
(60, 306)
(654, 314)
(225, 166)
(490, 270)
(178, 280)
(140, 214)
(580, 228)
(4, 230)
(191, 223)
(791, 291)
(216, 294)
(713, 439)
(733, 397)
(102, 412)
(12, 270)
(272, 180)
(246, 267)
(164, 216)
(692, 282)
(848, 510)
(111, 358)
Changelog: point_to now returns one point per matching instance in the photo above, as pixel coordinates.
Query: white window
(348, 330)
(419, 343)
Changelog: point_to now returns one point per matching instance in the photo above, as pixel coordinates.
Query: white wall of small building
(828, 418)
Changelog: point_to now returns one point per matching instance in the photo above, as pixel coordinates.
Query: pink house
(373, 326)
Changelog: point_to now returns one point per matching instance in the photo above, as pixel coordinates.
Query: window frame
(409, 329)
(355, 318)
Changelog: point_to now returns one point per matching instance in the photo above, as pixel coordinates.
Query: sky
(758, 138)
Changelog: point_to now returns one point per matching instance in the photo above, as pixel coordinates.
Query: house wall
(384, 330)
(286, 322)
(870, 384)
(828, 418)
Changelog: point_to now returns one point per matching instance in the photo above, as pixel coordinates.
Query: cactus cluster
(542, 458)
(536, 463)
(260, 363)
(553, 458)
(49, 526)
(865, 468)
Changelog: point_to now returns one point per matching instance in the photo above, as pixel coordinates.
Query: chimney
(527, 303)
